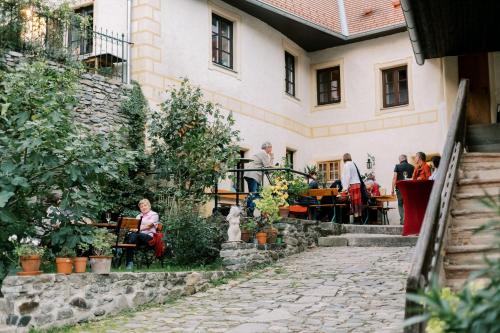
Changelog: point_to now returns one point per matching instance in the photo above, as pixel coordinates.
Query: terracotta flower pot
(100, 264)
(272, 234)
(64, 265)
(80, 264)
(30, 265)
(261, 238)
(284, 211)
(245, 236)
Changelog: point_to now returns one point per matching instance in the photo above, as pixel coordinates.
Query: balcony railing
(101, 51)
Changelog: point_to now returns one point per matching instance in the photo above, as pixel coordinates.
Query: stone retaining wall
(297, 235)
(100, 98)
(53, 299)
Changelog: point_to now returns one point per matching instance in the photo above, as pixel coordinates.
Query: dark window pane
(328, 85)
(403, 95)
(389, 99)
(226, 45)
(402, 74)
(222, 41)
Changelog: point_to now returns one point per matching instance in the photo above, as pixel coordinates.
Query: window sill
(324, 107)
(392, 109)
(225, 70)
(291, 97)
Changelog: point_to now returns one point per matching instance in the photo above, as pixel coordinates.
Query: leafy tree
(44, 151)
(192, 143)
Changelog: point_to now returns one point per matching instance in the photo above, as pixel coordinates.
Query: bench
(126, 225)
(318, 194)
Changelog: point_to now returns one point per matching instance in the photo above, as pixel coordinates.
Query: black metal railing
(427, 258)
(265, 172)
(101, 51)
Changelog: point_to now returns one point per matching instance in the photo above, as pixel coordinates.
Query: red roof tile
(362, 15)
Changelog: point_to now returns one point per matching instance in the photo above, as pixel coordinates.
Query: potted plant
(268, 206)
(102, 246)
(248, 229)
(64, 260)
(29, 252)
(80, 262)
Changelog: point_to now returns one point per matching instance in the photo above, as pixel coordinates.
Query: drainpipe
(412, 31)
(343, 18)
(129, 39)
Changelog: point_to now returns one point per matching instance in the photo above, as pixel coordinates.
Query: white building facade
(367, 97)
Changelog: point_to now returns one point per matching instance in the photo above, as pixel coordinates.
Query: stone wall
(100, 98)
(53, 299)
(297, 235)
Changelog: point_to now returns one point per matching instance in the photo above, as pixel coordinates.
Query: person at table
(149, 223)
(263, 159)
(435, 162)
(372, 187)
(352, 183)
(402, 171)
(422, 171)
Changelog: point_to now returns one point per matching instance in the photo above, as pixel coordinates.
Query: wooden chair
(124, 226)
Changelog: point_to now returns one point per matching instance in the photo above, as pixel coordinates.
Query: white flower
(12, 238)
(35, 241)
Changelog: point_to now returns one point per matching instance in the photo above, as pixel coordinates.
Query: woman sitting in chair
(149, 223)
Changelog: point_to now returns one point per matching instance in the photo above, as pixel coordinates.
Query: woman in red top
(422, 171)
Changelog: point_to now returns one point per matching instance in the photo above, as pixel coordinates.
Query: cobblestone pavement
(343, 289)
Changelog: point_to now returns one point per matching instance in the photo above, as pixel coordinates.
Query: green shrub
(192, 239)
(192, 143)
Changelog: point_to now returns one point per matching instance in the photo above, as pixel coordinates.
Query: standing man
(254, 179)
(423, 171)
(401, 171)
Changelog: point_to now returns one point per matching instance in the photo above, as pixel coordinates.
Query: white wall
(255, 89)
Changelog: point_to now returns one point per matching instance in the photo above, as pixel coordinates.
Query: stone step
(483, 133)
(486, 148)
(468, 235)
(472, 214)
(368, 240)
(479, 181)
(491, 189)
(458, 283)
(473, 202)
(461, 272)
(480, 157)
(484, 174)
(470, 254)
(471, 165)
(372, 229)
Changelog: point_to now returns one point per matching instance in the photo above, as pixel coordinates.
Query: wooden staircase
(465, 250)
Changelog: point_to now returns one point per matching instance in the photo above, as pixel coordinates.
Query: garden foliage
(191, 238)
(192, 142)
(45, 152)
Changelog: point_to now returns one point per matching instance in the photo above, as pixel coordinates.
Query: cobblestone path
(343, 289)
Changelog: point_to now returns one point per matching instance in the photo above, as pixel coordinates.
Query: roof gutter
(412, 31)
(400, 26)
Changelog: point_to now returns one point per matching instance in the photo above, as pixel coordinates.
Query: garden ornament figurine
(234, 232)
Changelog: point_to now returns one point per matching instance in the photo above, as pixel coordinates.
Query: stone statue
(234, 232)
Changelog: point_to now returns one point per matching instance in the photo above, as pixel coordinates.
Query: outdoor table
(111, 225)
(385, 198)
(415, 198)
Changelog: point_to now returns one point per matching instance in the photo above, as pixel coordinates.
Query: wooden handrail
(428, 249)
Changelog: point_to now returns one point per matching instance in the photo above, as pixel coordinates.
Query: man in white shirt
(352, 184)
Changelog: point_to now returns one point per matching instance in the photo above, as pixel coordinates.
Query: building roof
(450, 28)
(361, 15)
(318, 24)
